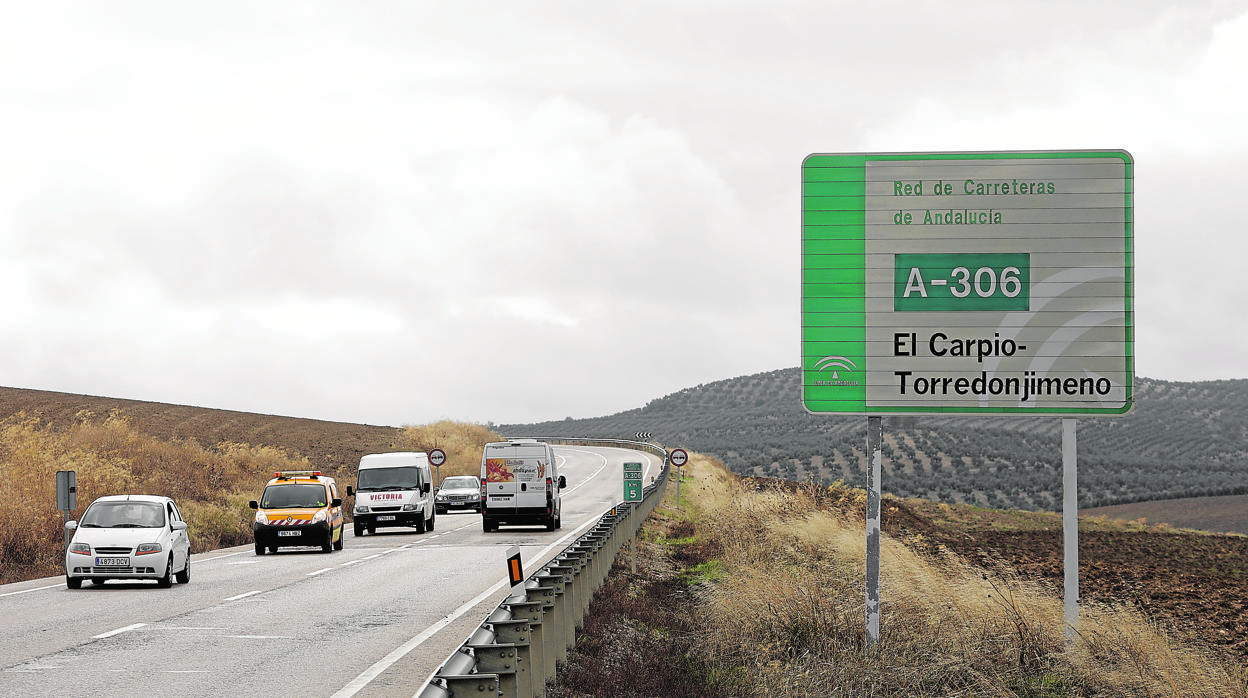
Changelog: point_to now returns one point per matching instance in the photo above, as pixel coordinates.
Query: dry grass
(786, 618)
(461, 442)
(110, 457)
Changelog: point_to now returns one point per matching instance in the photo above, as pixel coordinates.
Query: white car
(128, 536)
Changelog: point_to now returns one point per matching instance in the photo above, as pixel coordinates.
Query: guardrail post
(545, 595)
(516, 634)
(531, 612)
(578, 559)
(563, 633)
(572, 611)
(501, 660)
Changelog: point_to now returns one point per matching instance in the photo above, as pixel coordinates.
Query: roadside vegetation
(757, 590)
(111, 456)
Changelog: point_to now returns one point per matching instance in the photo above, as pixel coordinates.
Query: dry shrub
(110, 457)
(462, 444)
(790, 612)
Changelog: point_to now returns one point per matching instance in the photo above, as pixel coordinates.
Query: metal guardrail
(516, 649)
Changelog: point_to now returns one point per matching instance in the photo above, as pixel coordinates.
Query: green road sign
(632, 482)
(978, 282)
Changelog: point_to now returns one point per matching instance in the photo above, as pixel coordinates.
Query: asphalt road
(374, 619)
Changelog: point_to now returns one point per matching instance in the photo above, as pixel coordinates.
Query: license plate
(290, 533)
(385, 518)
(112, 561)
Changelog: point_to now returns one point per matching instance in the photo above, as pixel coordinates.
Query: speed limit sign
(679, 457)
(437, 457)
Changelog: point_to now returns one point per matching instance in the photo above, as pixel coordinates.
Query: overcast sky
(399, 212)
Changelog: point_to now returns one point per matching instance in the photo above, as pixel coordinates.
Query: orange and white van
(298, 508)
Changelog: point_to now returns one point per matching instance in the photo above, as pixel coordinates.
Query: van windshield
(388, 479)
(124, 515)
(294, 496)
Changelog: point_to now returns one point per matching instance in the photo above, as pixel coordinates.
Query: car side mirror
(563, 482)
(253, 504)
(337, 502)
(178, 525)
(350, 492)
(425, 488)
(71, 525)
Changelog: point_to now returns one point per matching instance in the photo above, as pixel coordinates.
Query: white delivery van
(520, 484)
(393, 489)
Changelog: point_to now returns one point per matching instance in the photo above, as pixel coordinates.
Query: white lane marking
(385, 662)
(241, 562)
(118, 631)
(218, 557)
(243, 596)
(259, 637)
(323, 570)
(27, 591)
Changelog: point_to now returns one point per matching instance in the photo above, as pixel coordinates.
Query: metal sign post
(875, 452)
(1070, 529)
(66, 498)
(678, 458)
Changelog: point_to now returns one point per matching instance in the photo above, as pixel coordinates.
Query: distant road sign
(437, 456)
(679, 457)
(971, 282)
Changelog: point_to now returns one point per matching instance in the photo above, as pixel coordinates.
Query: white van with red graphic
(520, 484)
(393, 489)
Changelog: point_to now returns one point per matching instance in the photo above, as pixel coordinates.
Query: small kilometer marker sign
(437, 457)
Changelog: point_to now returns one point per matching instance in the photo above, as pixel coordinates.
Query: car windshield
(124, 515)
(388, 479)
(293, 496)
(459, 483)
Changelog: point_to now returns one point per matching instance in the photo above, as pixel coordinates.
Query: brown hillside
(327, 445)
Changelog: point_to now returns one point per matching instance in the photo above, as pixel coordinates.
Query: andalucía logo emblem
(837, 364)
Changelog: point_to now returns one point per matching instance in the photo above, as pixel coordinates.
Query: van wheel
(342, 539)
(432, 519)
(420, 524)
(550, 523)
(259, 548)
(359, 529)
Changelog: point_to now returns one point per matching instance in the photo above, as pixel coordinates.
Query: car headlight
(80, 548)
(361, 508)
(318, 516)
(148, 548)
(441, 498)
(261, 518)
(411, 507)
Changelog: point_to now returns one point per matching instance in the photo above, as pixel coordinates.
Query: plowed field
(1192, 582)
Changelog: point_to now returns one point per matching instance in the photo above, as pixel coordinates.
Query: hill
(327, 445)
(1180, 440)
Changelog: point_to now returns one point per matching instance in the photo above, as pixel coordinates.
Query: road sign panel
(437, 456)
(998, 282)
(679, 457)
(632, 482)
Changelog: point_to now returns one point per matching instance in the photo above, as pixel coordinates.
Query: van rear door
(515, 475)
